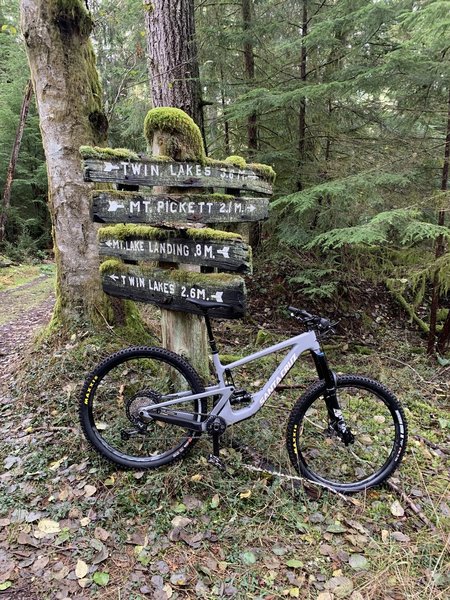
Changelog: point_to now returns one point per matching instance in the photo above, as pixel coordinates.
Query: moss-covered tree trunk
(173, 61)
(68, 96)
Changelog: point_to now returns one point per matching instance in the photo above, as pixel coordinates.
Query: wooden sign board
(136, 207)
(174, 174)
(229, 255)
(172, 289)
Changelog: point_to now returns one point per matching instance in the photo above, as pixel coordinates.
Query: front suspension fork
(337, 422)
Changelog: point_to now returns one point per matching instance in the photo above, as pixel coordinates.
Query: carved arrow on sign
(218, 296)
(114, 277)
(110, 167)
(225, 252)
(113, 206)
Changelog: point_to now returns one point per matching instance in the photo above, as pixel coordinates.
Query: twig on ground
(412, 505)
(263, 466)
(431, 444)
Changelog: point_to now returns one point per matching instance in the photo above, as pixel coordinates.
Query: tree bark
(249, 63)
(68, 96)
(444, 336)
(302, 107)
(6, 202)
(173, 61)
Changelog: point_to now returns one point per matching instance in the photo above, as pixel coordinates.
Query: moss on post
(175, 134)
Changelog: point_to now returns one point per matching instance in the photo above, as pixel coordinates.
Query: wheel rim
(114, 400)
(321, 454)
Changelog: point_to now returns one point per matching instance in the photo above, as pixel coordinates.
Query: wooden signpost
(149, 173)
(166, 225)
(227, 254)
(137, 207)
(171, 290)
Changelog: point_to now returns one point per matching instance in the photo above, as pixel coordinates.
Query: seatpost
(211, 340)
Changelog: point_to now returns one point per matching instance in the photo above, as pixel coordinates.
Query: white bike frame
(222, 407)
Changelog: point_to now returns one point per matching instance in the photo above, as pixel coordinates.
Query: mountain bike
(145, 407)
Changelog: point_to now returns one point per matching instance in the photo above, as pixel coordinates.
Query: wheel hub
(139, 401)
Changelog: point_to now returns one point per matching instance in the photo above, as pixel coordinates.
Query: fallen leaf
(180, 521)
(101, 555)
(245, 494)
(89, 490)
(101, 578)
(248, 558)
(215, 500)
(341, 587)
(178, 578)
(101, 534)
(197, 477)
(358, 562)
(294, 563)
(397, 509)
(336, 528)
(48, 526)
(5, 585)
(398, 536)
(81, 570)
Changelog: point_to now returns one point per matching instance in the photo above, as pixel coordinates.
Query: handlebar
(312, 321)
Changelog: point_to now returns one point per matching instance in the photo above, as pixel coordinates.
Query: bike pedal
(217, 462)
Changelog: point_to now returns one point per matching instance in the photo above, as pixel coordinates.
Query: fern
(312, 283)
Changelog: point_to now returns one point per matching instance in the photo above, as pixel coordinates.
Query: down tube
(259, 398)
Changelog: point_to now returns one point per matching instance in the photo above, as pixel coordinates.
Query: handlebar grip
(298, 312)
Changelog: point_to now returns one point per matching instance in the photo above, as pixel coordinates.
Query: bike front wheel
(374, 417)
(120, 387)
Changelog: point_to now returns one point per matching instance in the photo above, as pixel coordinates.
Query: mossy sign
(204, 247)
(172, 290)
(168, 226)
(158, 209)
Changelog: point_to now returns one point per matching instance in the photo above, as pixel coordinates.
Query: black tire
(113, 393)
(374, 416)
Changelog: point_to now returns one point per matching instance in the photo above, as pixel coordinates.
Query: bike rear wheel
(115, 392)
(374, 417)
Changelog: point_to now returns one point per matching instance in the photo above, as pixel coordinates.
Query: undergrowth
(190, 531)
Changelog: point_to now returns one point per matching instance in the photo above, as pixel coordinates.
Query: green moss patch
(264, 171)
(206, 233)
(108, 153)
(147, 232)
(177, 123)
(237, 161)
(123, 232)
(113, 266)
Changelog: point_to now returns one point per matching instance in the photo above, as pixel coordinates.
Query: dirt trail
(23, 310)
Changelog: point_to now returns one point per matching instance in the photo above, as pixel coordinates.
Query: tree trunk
(226, 125)
(249, 63)
(302, 107)
(13, 160)
(175, 82)
(173, 60)
(444, 336)
(68, 96)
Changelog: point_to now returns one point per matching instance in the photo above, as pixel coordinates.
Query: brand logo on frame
(278, 379)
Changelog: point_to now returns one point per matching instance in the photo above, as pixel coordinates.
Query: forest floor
(72, 526)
